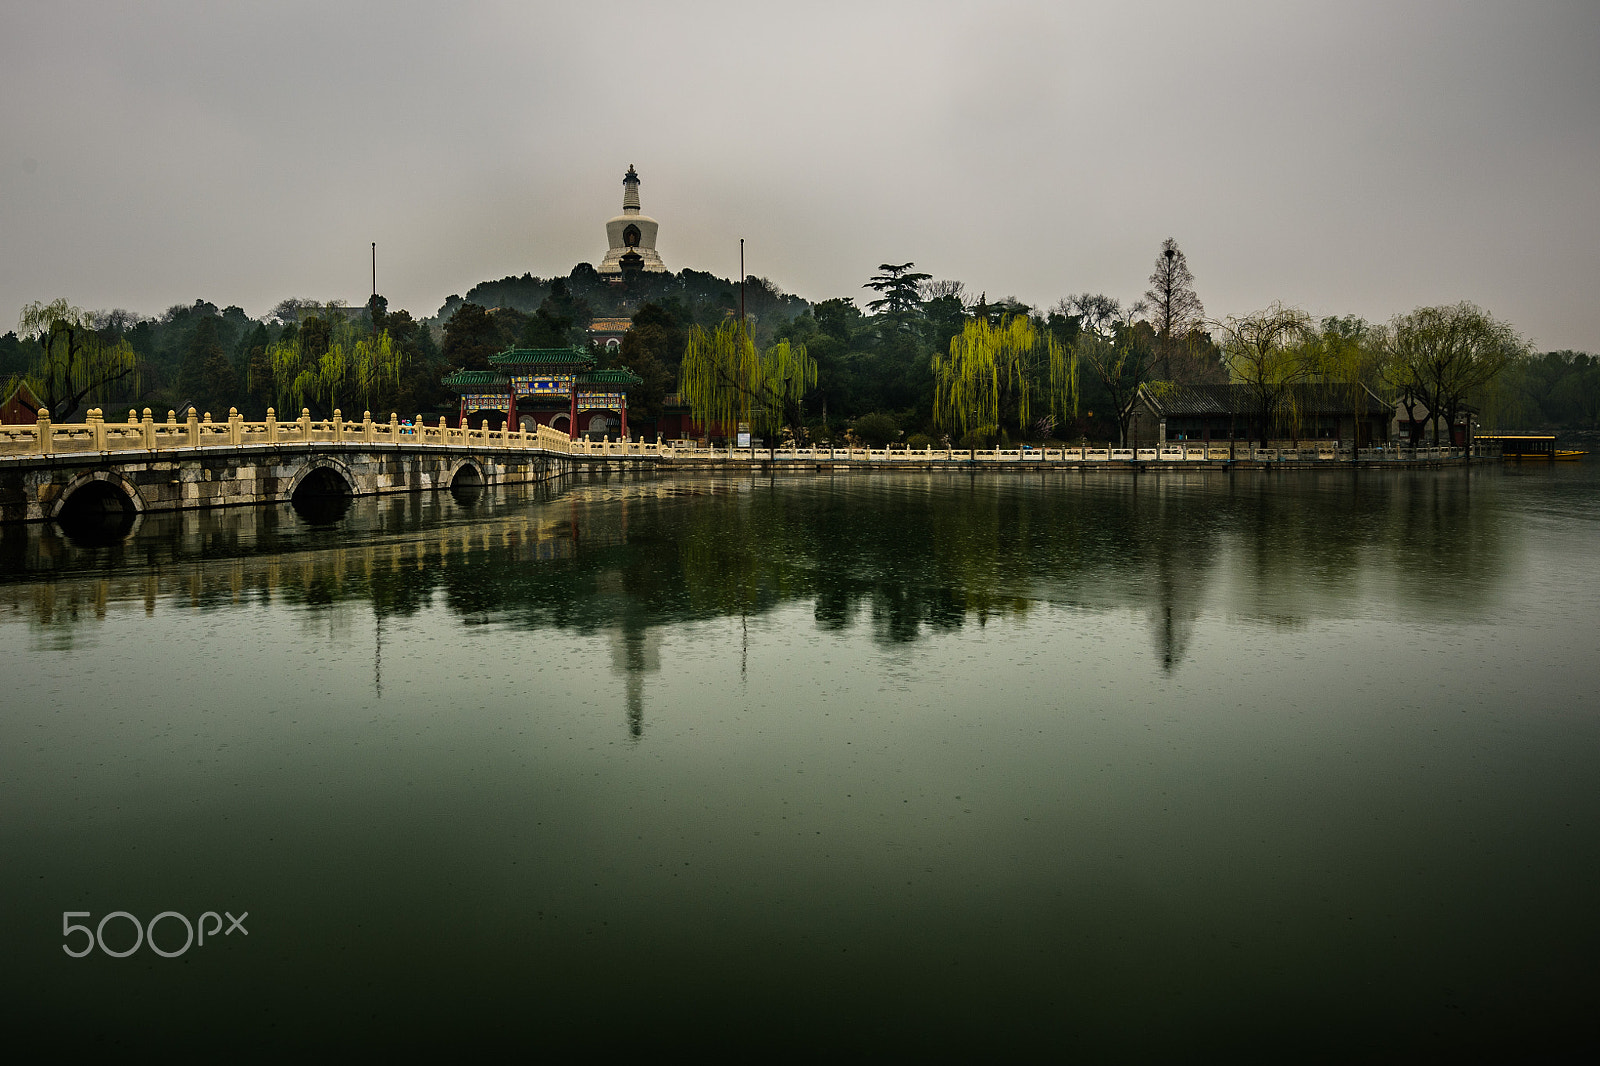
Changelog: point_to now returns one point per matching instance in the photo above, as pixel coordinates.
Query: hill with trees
(906, 357)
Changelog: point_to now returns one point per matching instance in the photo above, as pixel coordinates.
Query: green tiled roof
(619, 376)
(535, 356)
(474, 377)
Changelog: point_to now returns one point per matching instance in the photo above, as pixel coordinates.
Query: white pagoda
(631, 234)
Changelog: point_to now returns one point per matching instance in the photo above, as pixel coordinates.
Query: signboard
(542, 384)
(744, 434)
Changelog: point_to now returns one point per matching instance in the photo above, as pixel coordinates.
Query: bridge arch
(323, 491)
(322, 476)
(466, 473)
(98, 491)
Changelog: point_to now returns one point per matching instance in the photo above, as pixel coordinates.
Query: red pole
(572, 424)
(511, 412)
(624, 405)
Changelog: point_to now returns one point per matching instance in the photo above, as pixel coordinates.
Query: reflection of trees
(910, 551)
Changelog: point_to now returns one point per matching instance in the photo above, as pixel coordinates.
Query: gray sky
(1350, 158)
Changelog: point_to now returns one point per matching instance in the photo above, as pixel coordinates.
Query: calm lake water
(1175, 766)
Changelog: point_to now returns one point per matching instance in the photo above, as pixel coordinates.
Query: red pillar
(511, 412)
(624, 405)
(572, 425)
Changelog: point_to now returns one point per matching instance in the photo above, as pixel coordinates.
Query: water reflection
(900, 555)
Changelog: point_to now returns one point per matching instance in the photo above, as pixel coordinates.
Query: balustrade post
(366, 426)
(148, 425)
(43, 434)
(192, 427)
(394, 427)
(305, 423)
(272, 426)
(444, 429)
(97, 427)
(338, 424)
(235, 427)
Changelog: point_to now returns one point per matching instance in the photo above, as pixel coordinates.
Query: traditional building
(607, 332)
(1224, 412)
(21, 408)
(631, 235)
(555, 387)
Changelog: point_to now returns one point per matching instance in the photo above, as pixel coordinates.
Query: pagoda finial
(630, 191)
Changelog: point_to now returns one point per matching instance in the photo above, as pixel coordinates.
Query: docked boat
(1520, 446)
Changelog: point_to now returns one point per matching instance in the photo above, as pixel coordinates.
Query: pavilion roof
(474, 377)
(541, 356)
(617, 376)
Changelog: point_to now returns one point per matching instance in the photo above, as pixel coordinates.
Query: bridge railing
(1176, 454)
(142, 432)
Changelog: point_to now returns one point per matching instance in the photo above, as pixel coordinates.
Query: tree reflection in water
(909, 553)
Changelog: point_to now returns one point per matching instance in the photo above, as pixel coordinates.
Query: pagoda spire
(630, 191)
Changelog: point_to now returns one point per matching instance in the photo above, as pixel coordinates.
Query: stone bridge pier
(40, 487)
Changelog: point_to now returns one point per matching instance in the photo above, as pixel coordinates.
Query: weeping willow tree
(349, 368)
(1348, 359)
(1270, 353)
(995, 370)
(76, 362)
(725, 380)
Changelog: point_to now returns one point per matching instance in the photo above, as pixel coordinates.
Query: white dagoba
(631, 232)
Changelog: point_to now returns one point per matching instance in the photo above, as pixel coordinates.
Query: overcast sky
(1349, 158)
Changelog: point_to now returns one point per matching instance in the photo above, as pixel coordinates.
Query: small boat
(1520, 446)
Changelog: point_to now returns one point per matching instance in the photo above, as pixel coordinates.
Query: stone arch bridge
(49, 472)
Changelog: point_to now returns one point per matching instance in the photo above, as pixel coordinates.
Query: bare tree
(932, 290)
(1115, 346)
(1175, 309)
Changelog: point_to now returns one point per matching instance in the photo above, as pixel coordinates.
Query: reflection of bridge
(98, 467)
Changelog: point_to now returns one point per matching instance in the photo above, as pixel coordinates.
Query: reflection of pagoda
(632, 236)
(555, 387)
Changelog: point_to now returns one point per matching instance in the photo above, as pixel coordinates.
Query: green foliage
(1441, 356)
(897, 286)
(471, 337)
(725, 380)
(206, 377)
(1554, 390)
(74, 362)
(1270, 352)
(653, 349)
(996, 373)
(16, 356)
(876, 430)
(1117, 348)
(559, 321)
(329, 363)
